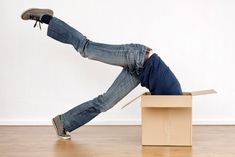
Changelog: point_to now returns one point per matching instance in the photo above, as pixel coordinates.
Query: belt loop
(146, 56)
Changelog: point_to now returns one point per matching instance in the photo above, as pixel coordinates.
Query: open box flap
(201, 92)
(133, 100)
(194, 93)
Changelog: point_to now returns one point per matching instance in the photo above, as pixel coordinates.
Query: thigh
(123, 85)
(125, 55)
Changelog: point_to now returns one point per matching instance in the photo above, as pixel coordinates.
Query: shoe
(36, 15)
(58, 125)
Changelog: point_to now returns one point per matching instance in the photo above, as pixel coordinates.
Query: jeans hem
(65, 123)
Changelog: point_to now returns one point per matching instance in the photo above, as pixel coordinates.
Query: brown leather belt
(146, 56)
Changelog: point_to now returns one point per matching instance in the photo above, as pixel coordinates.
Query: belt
(146, 56)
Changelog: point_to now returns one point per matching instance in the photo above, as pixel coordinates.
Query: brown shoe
(36, 15)
(58, 125)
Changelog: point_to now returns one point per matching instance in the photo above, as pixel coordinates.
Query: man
(140, 65)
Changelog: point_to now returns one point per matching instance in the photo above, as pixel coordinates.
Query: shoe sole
(56, 130)
(49, 11)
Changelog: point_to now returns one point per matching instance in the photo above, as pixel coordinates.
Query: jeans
(128, 56)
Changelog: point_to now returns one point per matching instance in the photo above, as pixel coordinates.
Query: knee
(102, 103)
(81, 47)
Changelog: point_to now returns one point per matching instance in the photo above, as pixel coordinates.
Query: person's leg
(125, 55)
(83, 113)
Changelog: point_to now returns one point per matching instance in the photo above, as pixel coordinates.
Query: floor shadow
(154, 151)
(69, 148)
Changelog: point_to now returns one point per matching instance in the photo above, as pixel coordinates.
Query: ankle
(46, 19)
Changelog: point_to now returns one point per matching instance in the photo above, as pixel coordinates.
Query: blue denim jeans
(128, 56)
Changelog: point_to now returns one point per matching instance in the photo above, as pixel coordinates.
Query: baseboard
(214, 122)
(117, 122)
(48, 122)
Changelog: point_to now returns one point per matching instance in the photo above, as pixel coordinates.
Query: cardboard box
(167, 119)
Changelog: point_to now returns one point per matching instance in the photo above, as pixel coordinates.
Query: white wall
(40, 78)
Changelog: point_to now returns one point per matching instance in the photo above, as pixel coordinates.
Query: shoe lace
(37, 19)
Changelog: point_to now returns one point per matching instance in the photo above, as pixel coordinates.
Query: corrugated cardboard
(167, 119)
